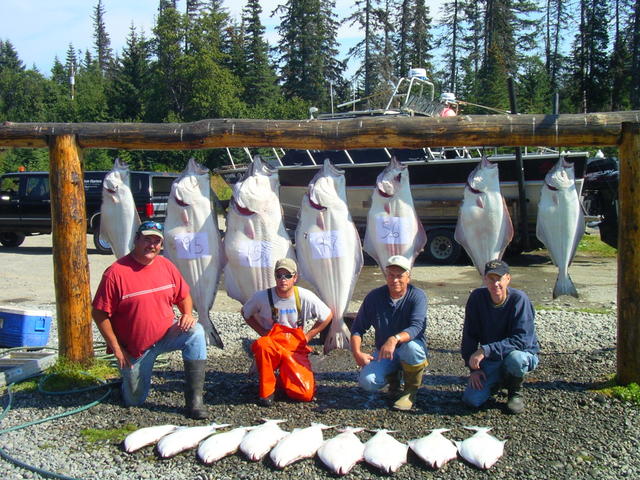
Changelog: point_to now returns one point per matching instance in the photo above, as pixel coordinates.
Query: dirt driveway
(27, 279)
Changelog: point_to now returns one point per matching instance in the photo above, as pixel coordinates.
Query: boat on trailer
(438, 175)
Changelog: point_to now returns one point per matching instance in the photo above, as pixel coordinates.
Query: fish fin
(564, 286)
(320, 221)
(479, 201)
(184, 215)
(478, 429)
(508, 228)
(387, 208)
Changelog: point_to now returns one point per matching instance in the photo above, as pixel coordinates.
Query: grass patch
(592, 245)
(66, 375)
(627, 393)
(116, 435)
(220, 187)
(599, 311)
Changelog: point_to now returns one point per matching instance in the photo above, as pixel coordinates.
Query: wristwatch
(397, 337)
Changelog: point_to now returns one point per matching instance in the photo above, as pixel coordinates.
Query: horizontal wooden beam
(596, 129)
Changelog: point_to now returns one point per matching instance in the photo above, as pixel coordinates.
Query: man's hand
(477, 379)
(186, 322)
(122, 357)
(388, 348)
(362, 359)
(475, 359)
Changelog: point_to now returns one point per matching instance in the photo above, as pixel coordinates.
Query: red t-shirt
(139, 300)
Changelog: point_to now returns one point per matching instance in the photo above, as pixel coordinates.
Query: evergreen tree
(635, 56)
(102, 43)
(128, 95)
(308, 50)
(534, 87)
(421, 38)
(366, 16)
(260, 79)
(452, 23)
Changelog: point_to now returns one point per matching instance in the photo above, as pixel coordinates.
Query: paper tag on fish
(256, 254)
(192, 245)
(327, 244)
(393, 230)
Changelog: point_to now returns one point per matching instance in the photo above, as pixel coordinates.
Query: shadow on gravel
(28, 250)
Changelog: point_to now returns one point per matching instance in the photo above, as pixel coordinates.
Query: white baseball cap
(399, 261)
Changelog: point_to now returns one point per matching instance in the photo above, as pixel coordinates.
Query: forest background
(200, 63)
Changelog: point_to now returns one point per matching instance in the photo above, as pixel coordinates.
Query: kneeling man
(278, 315)
(398, 313)
(499, 343)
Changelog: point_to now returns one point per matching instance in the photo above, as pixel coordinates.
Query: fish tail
(339, 339)
(564, 286)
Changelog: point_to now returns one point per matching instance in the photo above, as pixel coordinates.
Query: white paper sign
(192, 245)
(393, 230)
(256, 254)
(327, 244)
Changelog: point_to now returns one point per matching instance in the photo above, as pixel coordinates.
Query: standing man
(398, 313)
(278, 315)
(499, 343)
(133, 309)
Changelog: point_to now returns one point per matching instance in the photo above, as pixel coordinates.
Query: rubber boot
(515, 403)
(194, 371)
(394, 380)
(412, 380)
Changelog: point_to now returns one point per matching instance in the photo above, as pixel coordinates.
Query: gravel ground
(567, 430)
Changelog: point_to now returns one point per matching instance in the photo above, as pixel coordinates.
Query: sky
(40, 30)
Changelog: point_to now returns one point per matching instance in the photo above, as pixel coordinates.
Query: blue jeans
(517, 364)
(372, 376)
(136, 380)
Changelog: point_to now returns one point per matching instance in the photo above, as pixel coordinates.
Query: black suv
(25, 207)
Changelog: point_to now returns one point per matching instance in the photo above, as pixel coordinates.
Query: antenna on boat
(331, 94)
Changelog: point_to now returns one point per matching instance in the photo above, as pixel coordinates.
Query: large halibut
(560, 224)
(329, 249)
(192, 241)
(393, 227)
(256, 237)
(119, 218)
(484, 225)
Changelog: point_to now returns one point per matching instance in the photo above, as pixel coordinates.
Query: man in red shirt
(133, 309)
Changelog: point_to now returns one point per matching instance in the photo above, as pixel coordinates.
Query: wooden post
(628, 355)
(70, 262)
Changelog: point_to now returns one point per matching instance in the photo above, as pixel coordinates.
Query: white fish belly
(299, 444)
(146, 436)
(257, 443)
(393, 228)
(119, 221)
(482, 450)
(183, 439)
(484, 232)
(252, 247)
(435, 449)
(220, 445)
(341, 453)
(330, 258)
(385, 452)
(196, 250)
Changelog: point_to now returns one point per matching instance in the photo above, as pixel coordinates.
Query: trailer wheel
(11, 239)
(442, 249)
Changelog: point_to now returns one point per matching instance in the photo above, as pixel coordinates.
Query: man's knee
(474, 398)
(518, 363)
(412, 353)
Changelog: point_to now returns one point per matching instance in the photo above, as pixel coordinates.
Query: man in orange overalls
(278, 315)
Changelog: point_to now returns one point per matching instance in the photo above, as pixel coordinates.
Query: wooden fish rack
(18, 365)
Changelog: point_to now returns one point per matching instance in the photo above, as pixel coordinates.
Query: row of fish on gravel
(327, 245)
(339, 453)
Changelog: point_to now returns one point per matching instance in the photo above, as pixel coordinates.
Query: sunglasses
(150, 225)
(288, 276)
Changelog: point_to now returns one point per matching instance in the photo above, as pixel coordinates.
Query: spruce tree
(102, 43)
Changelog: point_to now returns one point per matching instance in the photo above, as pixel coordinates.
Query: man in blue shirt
(398, 313)
(499, 343)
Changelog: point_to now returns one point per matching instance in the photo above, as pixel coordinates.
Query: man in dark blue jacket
(398, 313)
(499, 343)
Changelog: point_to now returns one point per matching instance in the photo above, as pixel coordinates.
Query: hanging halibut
(560, 223)
(192, 241)
(393, 227)
(484, 226)
(329, 249)
(118, 215)
(256, 237)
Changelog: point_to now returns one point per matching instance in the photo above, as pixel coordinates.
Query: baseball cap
(399, 261)
(498, 267)
(151, 228)
(286, 264)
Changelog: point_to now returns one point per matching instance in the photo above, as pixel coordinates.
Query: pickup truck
(25, 205)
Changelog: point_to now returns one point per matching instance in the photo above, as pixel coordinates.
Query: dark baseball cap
(151, 228)
(497, 267)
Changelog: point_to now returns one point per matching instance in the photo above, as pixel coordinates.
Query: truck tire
(11, 239)
(442, 249)
(102, 246)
